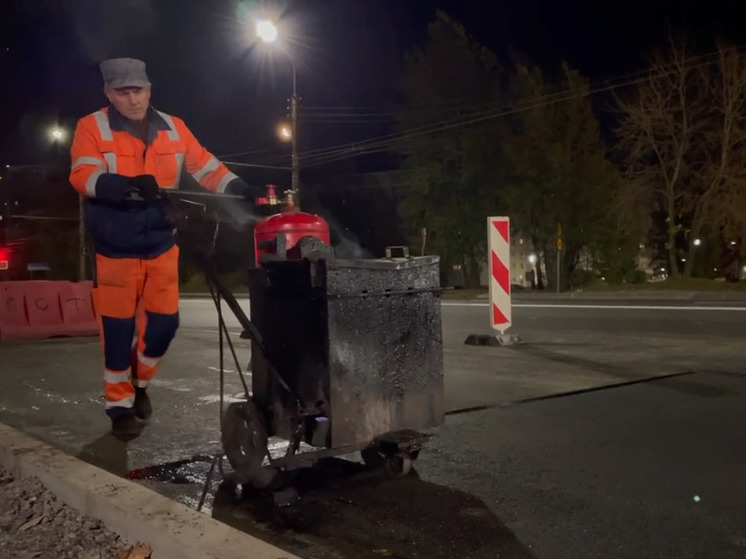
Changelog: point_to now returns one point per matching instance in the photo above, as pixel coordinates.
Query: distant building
(523, 263)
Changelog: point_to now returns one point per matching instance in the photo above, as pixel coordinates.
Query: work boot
(143, 408)
(126, 427)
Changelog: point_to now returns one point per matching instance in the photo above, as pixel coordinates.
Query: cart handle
(404, 251)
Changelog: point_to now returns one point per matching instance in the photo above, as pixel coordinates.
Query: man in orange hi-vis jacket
(121, 156)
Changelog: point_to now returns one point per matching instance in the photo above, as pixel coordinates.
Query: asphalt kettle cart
(346, 354)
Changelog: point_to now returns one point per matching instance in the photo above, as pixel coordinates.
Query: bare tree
(683, 132)
(720, 170)
(659, 125)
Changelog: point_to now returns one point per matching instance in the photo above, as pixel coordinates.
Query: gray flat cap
(124, 72)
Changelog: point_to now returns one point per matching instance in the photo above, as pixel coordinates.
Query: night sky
(232, 92)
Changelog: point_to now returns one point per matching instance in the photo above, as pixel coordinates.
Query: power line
(334, 114)
(346, 121)
(452, 104)
(496, 113)
(326, 115)
(360, 116)
(363, 186)
(379, 144)
(382, 117)
(253, 152)
(346, 155)
(342, 151)
(441, 105)
(391, 112)
(43, 218)
(256, 165)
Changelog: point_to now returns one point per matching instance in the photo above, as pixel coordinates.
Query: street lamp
(285, 132)
(57, 134)
(267, 31)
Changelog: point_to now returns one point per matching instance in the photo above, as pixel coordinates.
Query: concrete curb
(136, 513)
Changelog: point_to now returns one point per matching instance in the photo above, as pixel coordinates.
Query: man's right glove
(237, 187)
(146, 186)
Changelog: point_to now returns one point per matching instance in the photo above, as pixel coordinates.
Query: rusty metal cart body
(358, 344)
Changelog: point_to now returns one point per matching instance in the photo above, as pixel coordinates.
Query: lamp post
(268, 33)
(285, 133)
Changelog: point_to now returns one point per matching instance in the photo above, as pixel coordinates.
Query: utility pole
(560, 243)
(294, 138)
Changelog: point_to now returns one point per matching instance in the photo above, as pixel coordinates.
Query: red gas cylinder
(292, 227)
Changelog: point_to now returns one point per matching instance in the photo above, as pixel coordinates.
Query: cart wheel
(399, 465)
(244, 437)
(374, 457)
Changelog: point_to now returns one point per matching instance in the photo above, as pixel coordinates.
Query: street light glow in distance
(56, 134)
(266, 30)
(285, 132)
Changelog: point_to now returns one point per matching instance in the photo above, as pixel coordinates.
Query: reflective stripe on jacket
(106, 151)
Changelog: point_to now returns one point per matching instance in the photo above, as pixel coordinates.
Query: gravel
(35, 525)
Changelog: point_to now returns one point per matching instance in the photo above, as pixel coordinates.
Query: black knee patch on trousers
(159, 332)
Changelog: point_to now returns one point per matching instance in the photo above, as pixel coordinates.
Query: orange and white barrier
(498, 239)
(46, 309)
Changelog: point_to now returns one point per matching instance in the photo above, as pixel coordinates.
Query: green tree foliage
(481, 139)
(451, 172)
(558, 173)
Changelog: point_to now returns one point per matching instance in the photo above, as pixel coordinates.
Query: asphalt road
(615, 430)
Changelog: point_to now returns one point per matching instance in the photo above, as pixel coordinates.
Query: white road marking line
(605, 307)
(217, 370)
(198, 330)
(209, 301)
(215, 399)
(693, 307)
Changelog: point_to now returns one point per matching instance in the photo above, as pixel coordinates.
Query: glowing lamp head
(266, 30)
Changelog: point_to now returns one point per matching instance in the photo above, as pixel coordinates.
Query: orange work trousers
(137, 308)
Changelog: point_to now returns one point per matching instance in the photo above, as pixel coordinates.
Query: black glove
(146, 186)
(238, 187)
